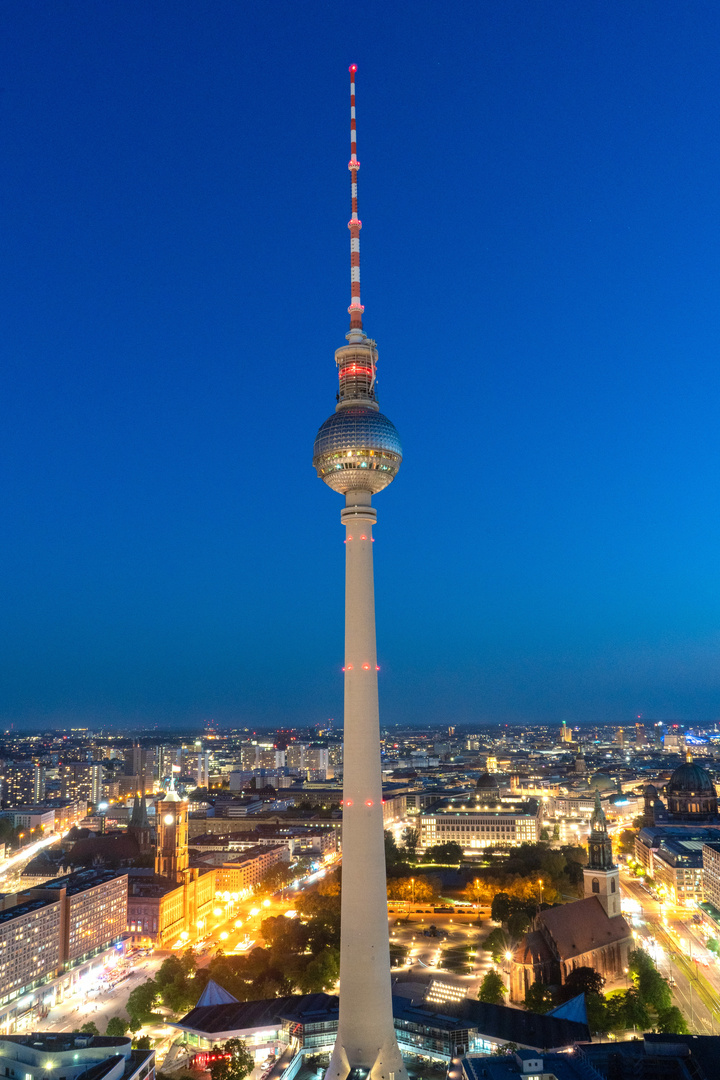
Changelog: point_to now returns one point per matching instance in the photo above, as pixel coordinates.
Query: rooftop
(498, 1022)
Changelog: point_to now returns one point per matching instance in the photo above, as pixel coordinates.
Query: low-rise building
(711, 873)
(39, 1056)
(31, 820)
(307, 1024)
(159, 909)
(679, 870)
(241, 871)
(477, 826)
(651, 837)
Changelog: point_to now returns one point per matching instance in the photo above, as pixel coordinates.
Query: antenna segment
(354, 225)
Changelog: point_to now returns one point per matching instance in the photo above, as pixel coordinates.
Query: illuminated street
(677, 946)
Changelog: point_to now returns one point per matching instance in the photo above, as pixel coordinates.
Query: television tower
(358, 453)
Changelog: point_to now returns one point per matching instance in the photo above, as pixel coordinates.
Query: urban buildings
(82, 781)
(176, 899)
(586, 933)
(39, 1056)
(357, 453)
(53, 935)
(481, 826)
(308, 1024)
(23, 783)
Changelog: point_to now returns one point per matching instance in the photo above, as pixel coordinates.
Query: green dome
(600, 781)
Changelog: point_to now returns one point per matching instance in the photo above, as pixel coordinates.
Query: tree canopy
(492, 989)
(236, 1066)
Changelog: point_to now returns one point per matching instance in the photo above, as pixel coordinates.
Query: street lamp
(540, 883)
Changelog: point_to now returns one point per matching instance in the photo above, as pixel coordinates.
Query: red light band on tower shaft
(354, 225)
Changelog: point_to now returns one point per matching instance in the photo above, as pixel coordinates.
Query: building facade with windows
(48, 933)
(477, 826)
(678, 871)
(23, 783)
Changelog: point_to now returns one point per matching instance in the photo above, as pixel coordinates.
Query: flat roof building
(94, 1057)
(309, 1023)
(478, 824)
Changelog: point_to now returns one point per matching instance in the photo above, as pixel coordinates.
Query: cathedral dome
(691, 794)
(690, 778)
(486, 783)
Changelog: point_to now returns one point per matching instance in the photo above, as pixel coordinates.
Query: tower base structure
(366, 1037)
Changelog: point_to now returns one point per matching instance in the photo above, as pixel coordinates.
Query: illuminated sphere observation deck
(357, 448)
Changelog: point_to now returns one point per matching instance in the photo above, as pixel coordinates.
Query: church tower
(602, 877)
(139, 826)
(171, 856)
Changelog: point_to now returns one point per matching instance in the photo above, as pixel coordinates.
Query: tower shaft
(366, 1036)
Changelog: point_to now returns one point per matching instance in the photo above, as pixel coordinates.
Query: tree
(713, 945)
(236, 1066)
(599, 1017)
(653, 989)
(423, 889)
(141, 1000)
(519, 924)
(322, 972)
(500, 909)
(498, 943)
(545, 833)
(116, 1027)
(449, 854)
(392, 851)
(672, 1022)
(626, 841)
(556, 831)
(143, 1043)
(276, 877)
(188, 961)
(582, 980)
(538, 998)
(134, 1024)
(492, 989)
(506, 1048)
(411, 839)
(90, 1028)
(635, 1011)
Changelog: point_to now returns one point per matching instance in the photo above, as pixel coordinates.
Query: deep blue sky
(540, 193)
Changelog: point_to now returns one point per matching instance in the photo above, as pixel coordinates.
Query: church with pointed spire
(139, 825)
(591, 932)
(601, 875)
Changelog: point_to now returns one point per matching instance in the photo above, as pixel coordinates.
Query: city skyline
(541, 216)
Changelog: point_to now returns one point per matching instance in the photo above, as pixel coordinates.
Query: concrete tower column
(366, 1036)
(357, 453)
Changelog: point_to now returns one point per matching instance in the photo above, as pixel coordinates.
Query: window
(595, 885)
(612, 884)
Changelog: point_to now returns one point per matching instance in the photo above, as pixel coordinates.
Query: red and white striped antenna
(354, 225)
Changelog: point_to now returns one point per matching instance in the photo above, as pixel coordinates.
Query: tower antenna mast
(356, 309)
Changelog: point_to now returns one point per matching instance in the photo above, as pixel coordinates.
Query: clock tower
(602, 876)
(171, 856)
